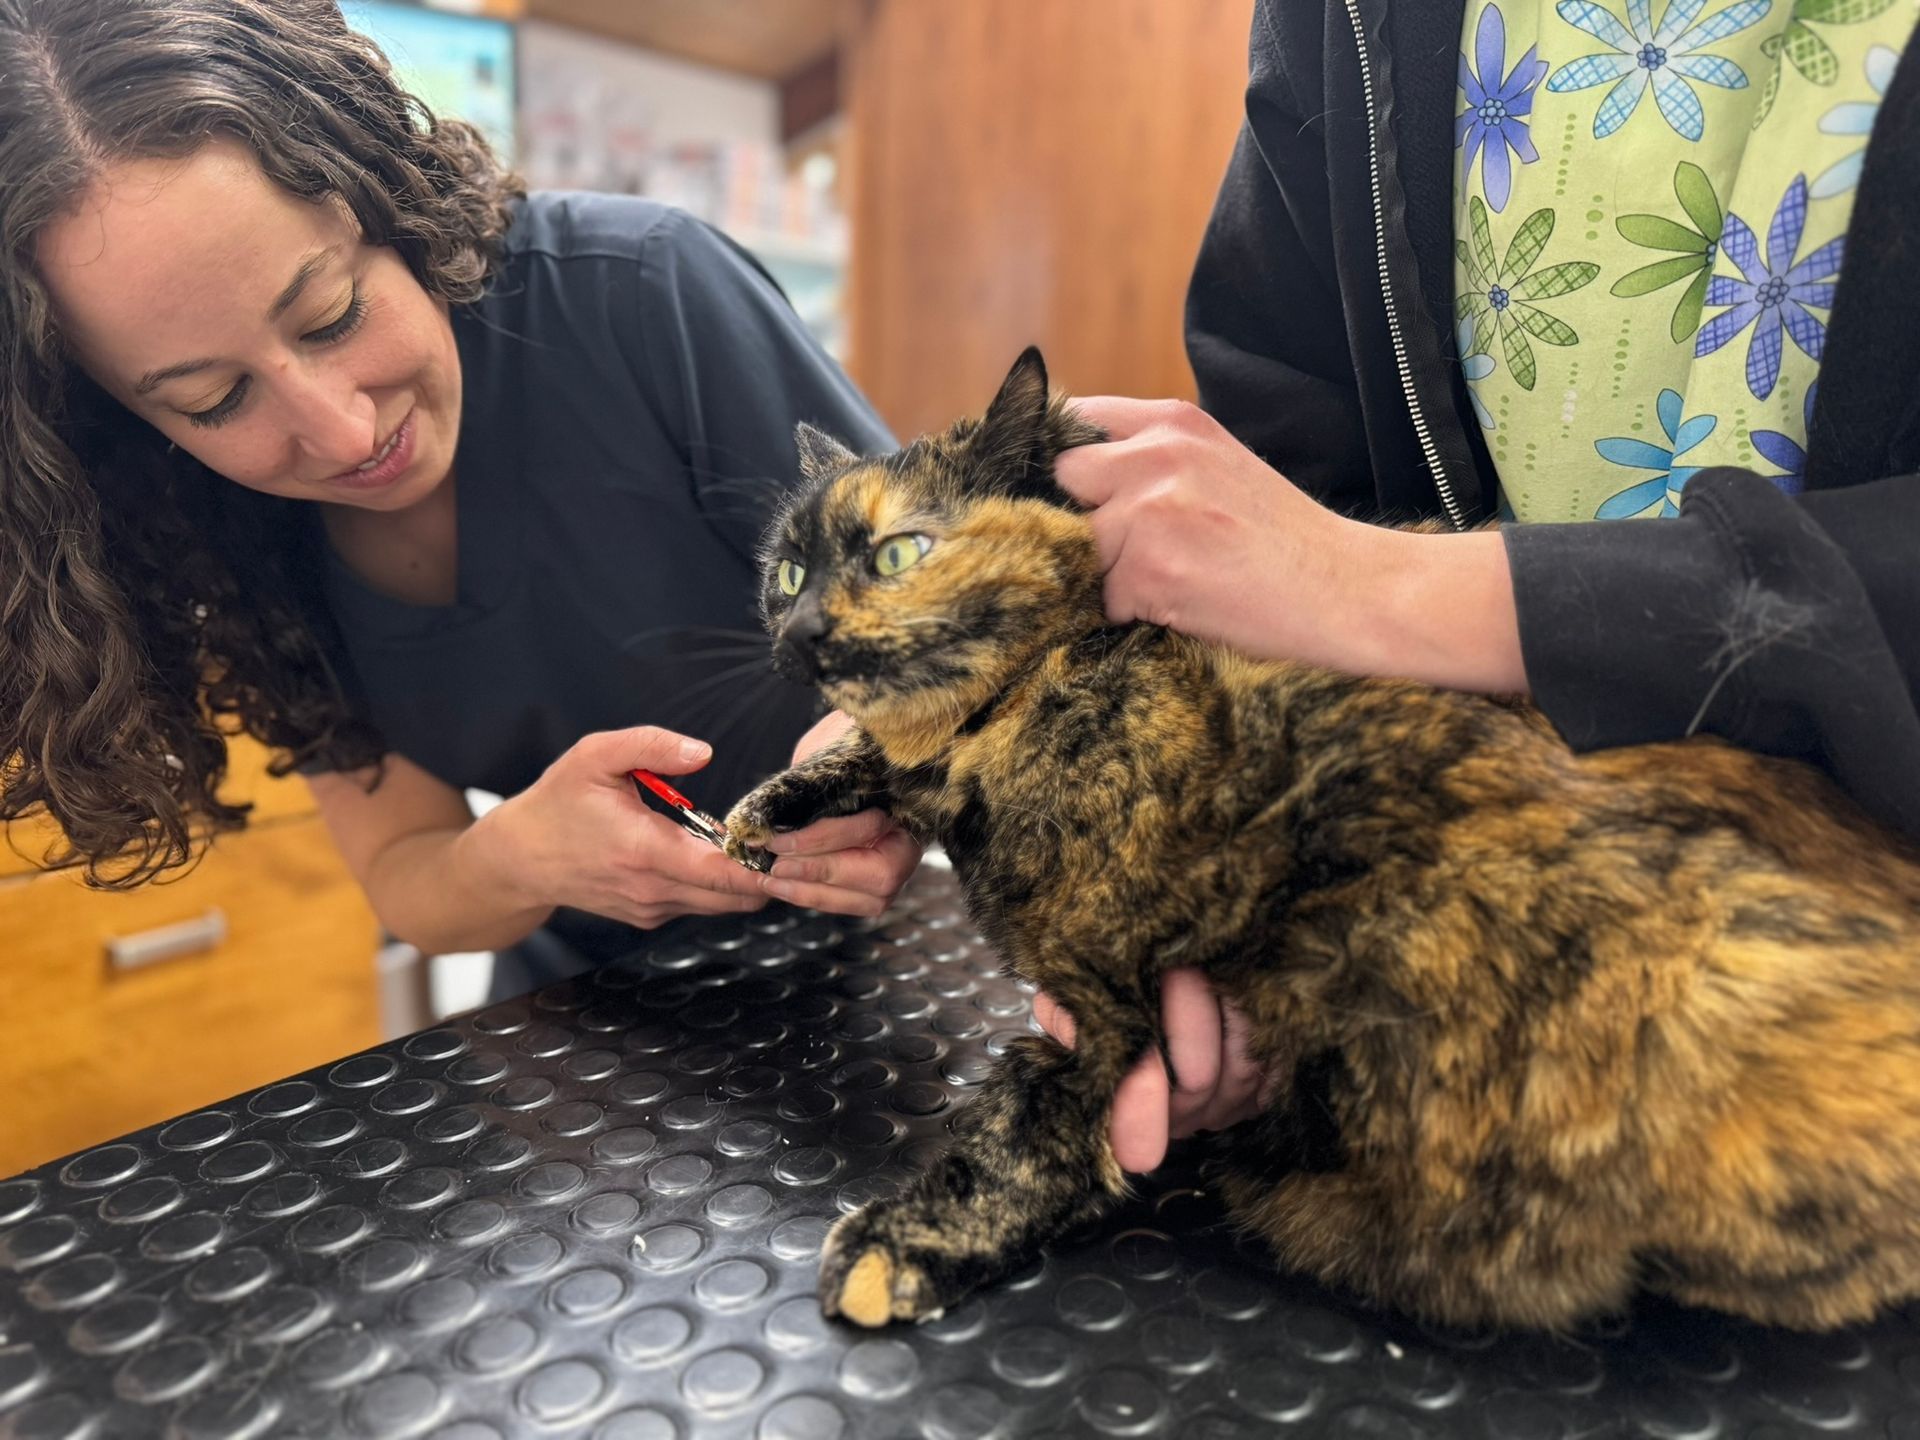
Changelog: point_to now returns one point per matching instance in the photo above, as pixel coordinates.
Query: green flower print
(1801, 46)
(1697, 248)
(1504, 291)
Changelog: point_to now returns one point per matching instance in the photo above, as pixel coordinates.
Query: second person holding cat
(1440, 359)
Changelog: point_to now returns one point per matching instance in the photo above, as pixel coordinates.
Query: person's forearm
(452, 890)
(1437, 608)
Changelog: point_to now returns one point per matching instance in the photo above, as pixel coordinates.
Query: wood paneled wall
(1031, 171)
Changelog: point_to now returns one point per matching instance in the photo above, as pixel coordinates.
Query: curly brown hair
(147, 608)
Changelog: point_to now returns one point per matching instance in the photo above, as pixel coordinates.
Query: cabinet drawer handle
(168, 942)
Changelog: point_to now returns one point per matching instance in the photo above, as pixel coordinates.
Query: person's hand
(849, 865)
(1219, 1084)
(581, 835)
(1197, 533)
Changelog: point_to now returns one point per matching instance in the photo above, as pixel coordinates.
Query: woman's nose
(334, 421)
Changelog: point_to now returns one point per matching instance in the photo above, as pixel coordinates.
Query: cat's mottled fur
(1551, 1026)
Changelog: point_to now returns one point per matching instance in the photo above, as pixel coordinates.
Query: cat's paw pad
(863, 1278)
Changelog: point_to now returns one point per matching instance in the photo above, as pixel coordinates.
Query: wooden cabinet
(121, 1010)
(1030, 171)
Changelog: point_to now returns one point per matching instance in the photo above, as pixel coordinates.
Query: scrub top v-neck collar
(488, 471)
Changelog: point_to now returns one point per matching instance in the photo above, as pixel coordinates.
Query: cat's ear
(1009, 452)
(1019, 411)
(820, 454)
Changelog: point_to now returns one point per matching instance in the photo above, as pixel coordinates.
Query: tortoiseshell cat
(1552, 1026)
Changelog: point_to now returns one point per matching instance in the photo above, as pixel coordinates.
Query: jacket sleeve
(736, 370)
(1789, 625)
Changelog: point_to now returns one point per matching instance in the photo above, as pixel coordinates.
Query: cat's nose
(795, 658)
(796, 653)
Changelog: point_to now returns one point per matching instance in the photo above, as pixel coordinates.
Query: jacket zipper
(1421, 429)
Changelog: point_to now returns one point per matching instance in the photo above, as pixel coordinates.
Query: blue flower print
(1667, 57)
(1498, 102)
(1476, 367)
(1786, 452)
(1773, 295)
(1855, 117)
(1661, 493)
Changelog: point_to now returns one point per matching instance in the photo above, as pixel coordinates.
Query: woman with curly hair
(314, 425)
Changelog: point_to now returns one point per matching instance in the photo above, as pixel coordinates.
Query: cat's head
(911, 586)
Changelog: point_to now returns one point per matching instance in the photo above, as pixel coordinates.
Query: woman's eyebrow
(309, 267)
(153, 379)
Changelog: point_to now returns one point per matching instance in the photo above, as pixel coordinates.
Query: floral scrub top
(1649, 219)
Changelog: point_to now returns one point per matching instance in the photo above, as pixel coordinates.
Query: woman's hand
(1207, 1042)
(850, 865)
(581, 836)
(1197, 533)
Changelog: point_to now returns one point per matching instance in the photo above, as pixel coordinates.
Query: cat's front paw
(750, 823)
(869, 1276)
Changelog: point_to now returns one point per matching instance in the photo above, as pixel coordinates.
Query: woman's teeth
(385, 450)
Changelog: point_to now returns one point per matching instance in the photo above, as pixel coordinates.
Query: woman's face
(257, 331)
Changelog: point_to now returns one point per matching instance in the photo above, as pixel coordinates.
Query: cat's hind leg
(1483, 1247)
(1031, 1159)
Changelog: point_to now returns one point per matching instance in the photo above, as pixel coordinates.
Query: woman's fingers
(830, 899)
(1140, 1115)
(858, 881)
(612, 753)
(1052, 1019)
(824, 732)
(699, 867)
(1220, 1084)
(1191, 1018)
(823, 837)
(878, 867)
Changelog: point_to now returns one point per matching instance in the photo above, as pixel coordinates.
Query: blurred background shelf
(768, 39)
(935, 184)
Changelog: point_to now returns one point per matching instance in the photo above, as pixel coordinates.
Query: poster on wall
(461, 65)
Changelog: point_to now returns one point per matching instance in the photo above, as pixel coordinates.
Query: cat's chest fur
(1133, 779)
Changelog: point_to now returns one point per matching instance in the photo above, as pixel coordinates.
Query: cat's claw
(741, 849)
(747, 828)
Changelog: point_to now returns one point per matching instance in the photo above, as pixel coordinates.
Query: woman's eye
(334, 330)
(792, 577)
(216, 414)
(899, 552)
(348, 322)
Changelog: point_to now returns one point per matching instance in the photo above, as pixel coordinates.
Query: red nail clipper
(695, 822)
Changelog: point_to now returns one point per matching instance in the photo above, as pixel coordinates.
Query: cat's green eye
(899, 552)
(792, 576)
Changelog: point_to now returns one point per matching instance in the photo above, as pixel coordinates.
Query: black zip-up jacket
(1319, 323)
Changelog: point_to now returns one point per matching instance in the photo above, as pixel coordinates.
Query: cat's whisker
(720, 680)
(707, 632)
(749, 707)
(728, 652)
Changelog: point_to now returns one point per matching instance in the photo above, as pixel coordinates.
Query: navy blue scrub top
(631, 383)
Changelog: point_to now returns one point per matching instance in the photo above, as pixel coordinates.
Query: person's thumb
(648, 747)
